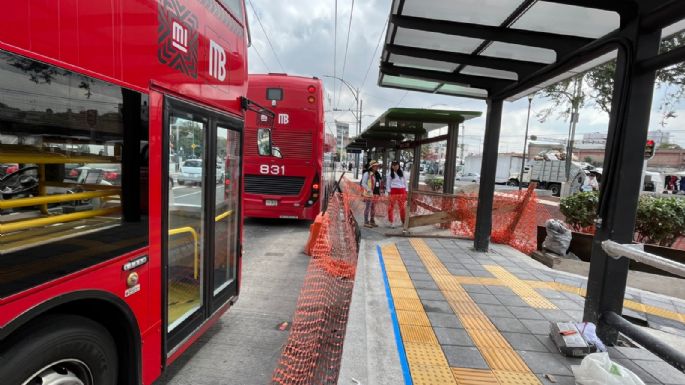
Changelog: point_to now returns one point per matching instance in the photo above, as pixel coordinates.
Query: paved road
(244, 347)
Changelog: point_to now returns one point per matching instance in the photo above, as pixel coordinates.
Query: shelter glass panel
(520, 52)
(434, 40)
(486, 12)
(416, 84)
(436, 65)
(568, 20)
(489, 72)
(454, 89)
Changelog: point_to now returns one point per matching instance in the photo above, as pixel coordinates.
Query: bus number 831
(271, 169)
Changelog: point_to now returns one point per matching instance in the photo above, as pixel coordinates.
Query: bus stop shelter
(407, 129)
(507, 51)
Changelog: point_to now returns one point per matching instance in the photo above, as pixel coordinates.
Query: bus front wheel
(60, 349)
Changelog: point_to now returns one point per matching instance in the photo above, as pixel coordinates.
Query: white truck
(507, 164)
(550, 174)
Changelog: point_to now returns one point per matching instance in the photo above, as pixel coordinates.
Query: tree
(598, 86)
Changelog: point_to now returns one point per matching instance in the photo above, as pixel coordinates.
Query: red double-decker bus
(109, 269)
(287, 180)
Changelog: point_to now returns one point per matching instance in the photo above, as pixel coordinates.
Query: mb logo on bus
(217, 61)
(283, 119)
(179, 37)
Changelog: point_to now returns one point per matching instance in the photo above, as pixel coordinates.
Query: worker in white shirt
(590, 183)
(397, 187)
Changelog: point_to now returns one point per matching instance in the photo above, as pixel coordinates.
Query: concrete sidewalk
(461, 317)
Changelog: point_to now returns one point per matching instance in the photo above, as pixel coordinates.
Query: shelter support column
(416, 162)
(488, 171)
(620, 190)
(450, 158)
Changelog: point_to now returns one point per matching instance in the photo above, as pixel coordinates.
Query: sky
(298, 37)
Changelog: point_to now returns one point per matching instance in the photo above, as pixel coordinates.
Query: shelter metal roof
(398, 124)
(502, 48)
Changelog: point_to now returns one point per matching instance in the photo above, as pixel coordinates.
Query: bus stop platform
(434, 311)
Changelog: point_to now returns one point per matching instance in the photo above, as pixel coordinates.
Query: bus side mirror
(275, 151)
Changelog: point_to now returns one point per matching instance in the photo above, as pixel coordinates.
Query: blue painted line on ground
(395, 324)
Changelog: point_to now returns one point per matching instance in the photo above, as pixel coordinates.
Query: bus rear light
(311, 89)
(311, 99)
(315, 186)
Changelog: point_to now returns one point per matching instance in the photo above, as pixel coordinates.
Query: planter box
(581, 246)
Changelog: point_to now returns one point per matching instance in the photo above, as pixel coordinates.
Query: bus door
(202, 204)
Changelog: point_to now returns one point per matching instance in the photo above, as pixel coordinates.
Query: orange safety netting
(514, 216)
(313, 351)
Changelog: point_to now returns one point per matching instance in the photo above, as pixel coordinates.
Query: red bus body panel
(300, 138)
(119, 41)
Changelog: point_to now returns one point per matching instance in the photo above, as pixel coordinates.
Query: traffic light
(650, 149)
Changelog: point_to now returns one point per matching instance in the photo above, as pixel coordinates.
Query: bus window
(236, 8)
(264, 141)
(274, 94)
(73, 144)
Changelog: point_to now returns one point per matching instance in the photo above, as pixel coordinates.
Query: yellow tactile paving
(399, 292)
(425, 355)
(408, 304)
(418, 334)
(515, 378)
(418, 318)
(476, 322)
(401, 283)
(466, 376)
(427, 362)
(527, 293)
(489, 339)
(398, 275)
(431, 375)
(496, 351)
(504, 359)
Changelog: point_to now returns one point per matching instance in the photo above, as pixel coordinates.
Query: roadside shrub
(580, 209)
(435, 183)
(660, 220)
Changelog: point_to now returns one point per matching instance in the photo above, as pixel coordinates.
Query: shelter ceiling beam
(446, 77)
(561, 44)
(522, 68)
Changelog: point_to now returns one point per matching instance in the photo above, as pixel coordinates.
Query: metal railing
(635, 252)
(667, 353)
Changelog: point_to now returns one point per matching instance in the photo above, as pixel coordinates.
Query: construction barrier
(515, 213)
(313, 351)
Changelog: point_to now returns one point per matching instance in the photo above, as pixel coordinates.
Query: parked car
(191, 172)
(469, 177)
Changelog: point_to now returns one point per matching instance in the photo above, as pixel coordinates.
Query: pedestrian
(682, 184)
(397, 185)
(371, 183)
(590, 183)
(349, 166)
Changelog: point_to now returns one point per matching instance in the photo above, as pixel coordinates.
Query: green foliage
(598, 87)
(580, 209)
(660, 220)
(435, 183)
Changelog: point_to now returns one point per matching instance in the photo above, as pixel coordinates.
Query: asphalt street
(243, 348)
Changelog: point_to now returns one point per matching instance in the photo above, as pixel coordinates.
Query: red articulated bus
(109, 269)
(287, 180)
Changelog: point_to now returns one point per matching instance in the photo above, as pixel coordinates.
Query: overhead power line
(260, 57)
(347, 44)
(335, 49)
(266, 35)
(373, 57)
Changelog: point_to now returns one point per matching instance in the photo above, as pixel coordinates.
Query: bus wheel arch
(102, 308)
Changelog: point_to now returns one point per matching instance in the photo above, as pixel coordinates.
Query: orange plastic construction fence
(313, 351)
(515, 214)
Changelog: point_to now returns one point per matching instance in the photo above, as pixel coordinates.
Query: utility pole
(575, 107)
(525, 143)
